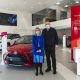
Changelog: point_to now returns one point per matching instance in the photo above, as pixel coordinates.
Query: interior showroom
(39, 39)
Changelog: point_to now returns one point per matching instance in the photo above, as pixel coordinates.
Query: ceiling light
(77, 2)
(66, 6)
(58, 3)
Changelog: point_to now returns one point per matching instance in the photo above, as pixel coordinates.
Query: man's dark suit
(50, 40)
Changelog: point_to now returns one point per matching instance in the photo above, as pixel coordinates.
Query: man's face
(47, 24)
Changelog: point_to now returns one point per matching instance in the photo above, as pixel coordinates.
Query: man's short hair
(47, 20)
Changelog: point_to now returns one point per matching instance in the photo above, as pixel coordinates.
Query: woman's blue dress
(38, 44)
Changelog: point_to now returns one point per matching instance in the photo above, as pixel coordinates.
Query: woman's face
(37, 31)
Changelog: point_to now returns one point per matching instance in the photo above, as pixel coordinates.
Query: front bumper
(16, 60)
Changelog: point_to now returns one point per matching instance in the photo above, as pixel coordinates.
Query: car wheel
(68, 44)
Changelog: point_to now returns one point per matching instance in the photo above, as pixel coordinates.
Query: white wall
(61, 24)
(24, 23)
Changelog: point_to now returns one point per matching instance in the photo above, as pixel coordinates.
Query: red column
(75, 27)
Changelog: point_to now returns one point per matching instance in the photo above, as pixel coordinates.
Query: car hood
(20, 48)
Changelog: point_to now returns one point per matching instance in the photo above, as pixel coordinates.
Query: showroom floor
(66, 70)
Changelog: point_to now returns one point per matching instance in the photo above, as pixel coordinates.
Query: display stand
(4, 45)
(64, 41)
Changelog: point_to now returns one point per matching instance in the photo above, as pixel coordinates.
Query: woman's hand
(38, 51)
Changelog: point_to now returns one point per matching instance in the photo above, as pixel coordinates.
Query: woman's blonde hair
(37, 28)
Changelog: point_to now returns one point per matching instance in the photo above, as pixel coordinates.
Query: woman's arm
(42, 44)
(33, 44)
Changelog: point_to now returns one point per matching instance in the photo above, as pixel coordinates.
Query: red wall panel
(75, 27)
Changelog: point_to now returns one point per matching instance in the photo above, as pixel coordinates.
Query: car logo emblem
(10, 59)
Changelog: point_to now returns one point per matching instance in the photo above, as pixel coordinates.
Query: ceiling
(69, 3)
(26, 5)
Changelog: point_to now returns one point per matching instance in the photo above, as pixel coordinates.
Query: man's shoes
(54, 72)
(41, 73)
(47, 70)
(36, 74)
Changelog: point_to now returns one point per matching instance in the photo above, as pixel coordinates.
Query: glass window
(38, 17)
(63, 15)
(24, 40)
(13, 36)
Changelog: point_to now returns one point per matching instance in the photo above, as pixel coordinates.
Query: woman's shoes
(40, 73)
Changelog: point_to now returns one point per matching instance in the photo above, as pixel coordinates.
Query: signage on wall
(8, 19)
(75, 27)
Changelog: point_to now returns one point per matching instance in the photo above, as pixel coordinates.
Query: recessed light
(66, 6)
(77, 2)
(58, 3)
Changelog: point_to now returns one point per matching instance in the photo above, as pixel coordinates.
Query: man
(50, 41)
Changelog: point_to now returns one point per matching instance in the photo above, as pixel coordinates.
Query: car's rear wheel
(68, 44)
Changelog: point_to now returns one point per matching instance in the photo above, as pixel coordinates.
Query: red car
(20, 53)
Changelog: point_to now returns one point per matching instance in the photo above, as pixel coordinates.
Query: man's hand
(57, 46)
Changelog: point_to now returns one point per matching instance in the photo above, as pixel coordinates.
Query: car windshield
(24, 40)
(8, 36)
(13, 36)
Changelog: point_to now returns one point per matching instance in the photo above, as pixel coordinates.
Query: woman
(38, 50)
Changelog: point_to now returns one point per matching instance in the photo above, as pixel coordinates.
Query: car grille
(16, 59)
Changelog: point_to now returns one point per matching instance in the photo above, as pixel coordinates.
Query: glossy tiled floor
(64, 57)
(66, 70)
(21, 73)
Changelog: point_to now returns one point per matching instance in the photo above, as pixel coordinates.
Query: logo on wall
(75, 29)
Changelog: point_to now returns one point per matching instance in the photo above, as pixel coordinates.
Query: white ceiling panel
(26, 5)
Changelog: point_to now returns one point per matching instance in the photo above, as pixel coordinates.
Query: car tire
(68, 45)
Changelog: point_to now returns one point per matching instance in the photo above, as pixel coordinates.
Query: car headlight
(15, 52)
